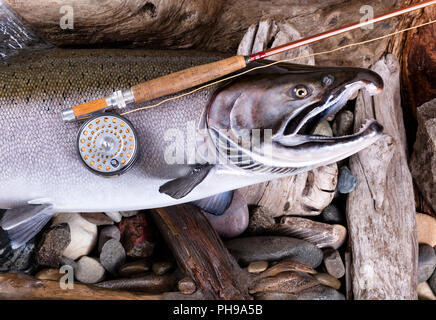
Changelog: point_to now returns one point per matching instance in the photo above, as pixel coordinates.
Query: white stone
(114, 215)
(83, 234)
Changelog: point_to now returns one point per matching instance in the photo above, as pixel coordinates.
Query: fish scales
(39, 155)
(39, 161)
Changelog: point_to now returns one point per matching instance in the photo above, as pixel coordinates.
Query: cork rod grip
(186, 78)
(89, 107)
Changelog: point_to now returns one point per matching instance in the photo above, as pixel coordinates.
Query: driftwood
(24, 287)
(380, 211)
(206, 25)
(418, 75)
(200, 253)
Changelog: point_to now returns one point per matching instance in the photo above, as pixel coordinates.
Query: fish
(40, 160)
(41, 172)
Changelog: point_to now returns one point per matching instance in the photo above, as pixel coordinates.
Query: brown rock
(285, 282)
(150, 283)
(426, 226)
(425, 292)
(52, 245)
(186, 286)
(257, 266)
(333, 263)
(49, 274)
(160, 268)
(286, 266)
(134, 268)
(423, 160)
(97, 218)
(328, 280)
(135, 236)
(321, 234)
(261, 221)
(275, 296)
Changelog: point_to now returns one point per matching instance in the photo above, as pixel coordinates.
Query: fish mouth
(298, 127)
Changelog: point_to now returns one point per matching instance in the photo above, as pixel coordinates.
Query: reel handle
(159, 87)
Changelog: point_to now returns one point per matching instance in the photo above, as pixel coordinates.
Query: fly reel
(107, 144)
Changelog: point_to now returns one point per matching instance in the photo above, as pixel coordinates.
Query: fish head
(286, 106)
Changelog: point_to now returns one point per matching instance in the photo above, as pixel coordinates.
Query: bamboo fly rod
(191, 77)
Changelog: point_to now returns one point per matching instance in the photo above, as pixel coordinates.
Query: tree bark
(200, 253)
(381, 211)
(206, 25)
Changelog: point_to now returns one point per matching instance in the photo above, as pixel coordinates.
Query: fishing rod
(194, 76)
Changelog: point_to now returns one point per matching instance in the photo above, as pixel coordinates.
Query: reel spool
(107, 144)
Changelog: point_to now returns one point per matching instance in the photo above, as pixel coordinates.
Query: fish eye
(300, 91)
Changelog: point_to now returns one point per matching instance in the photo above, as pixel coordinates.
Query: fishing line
(274, 63)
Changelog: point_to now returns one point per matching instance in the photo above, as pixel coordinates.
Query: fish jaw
(319, 150)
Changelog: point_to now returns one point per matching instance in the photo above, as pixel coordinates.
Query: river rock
(136, 236)
(127, 214)
(5, 247)
(275, 296)
(82, 232)
(107, 233)
(257, 266)
(89, 270)
(150, 283)
(426, 262)
(343, 123)
(274, 248)
(160, 268)
(321, 234)
(320, 293)
(234, 220)
(20, 260)
(426, 226)
(346, 181)
(49, 274)
(331, 214)
(186, 286)
(112, 256)
(285, 282)
(333, 263)
(432, 282)
(327, 280)
(286, 266)
(52, 245)
(134, 268)
(261, 220)
(114, 216)
(97, 218)
(425, 292)
(423, 160)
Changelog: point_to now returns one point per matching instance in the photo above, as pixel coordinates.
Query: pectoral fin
(180, 187)
(22, 223)
(216, 204)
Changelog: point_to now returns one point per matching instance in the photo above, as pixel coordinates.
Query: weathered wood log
(418, 74)
(417, 58)
(24, 287)
(200, 253)
(381, 211)
(207, 25)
